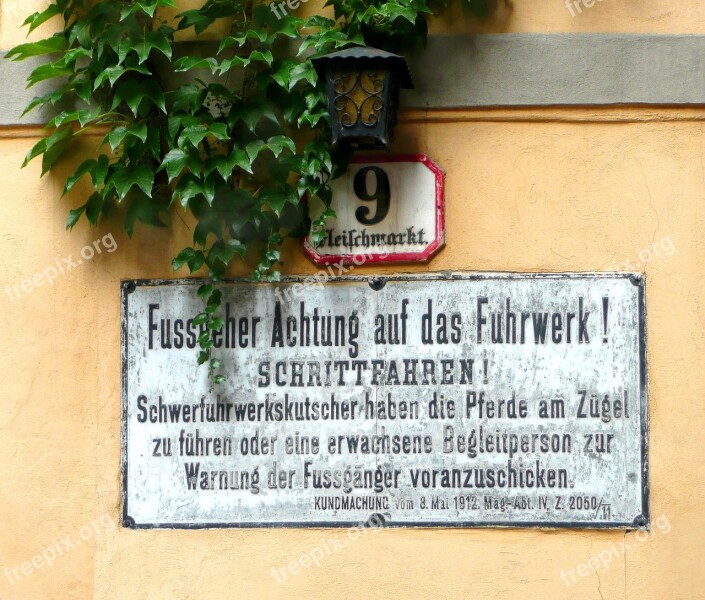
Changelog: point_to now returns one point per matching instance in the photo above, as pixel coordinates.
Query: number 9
(380, 195)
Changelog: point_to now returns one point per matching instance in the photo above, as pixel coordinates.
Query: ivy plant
(237, 135)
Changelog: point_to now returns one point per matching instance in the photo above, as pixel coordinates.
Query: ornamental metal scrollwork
(358, 97)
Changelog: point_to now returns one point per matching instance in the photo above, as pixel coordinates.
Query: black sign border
(641, 521)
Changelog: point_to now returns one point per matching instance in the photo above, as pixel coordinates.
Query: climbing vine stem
(235, 133)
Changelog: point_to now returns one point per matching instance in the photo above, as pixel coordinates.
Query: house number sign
(388, 210)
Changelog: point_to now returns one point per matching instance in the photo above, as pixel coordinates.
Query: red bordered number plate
(389, 209)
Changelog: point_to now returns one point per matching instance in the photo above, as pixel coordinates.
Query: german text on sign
(445, 400)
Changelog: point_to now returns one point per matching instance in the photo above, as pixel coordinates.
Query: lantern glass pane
(358, 97)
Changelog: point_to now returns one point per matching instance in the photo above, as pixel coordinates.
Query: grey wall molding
(564, 69)
(505, 70)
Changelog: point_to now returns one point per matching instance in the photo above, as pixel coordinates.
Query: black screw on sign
(376, 520)
(376, 283)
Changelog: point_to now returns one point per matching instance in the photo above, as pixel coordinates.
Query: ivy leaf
(235, 61)
(82, 87)
(47, 71)
(53, 144)
(39, 18)
(133, 93)
(94, 206)
(117, 135)
(238, 247)
(174, 162)
(70, 57)
(125, 178)
(219, 131)
(254, 148)
(259, 35)
(187, 63)
(87, 115)
(85, 167)
(56, 43)
(391, 11)
(114, 73)
(279, 142)
(193, 134)
(147, 9)
(197, 261)
(206, 289)
(101, 170)
(240, 159)
(279, 170)
(321, 22)
(204, 341)
(140, 207)
(188, 97)
(74, 216)
(326, 38)
(155, 93)
(97, 169)
(251, 113)
(196, 19)
(264, 56)
(62, 118)
(281, 72)
(201, 318)
(312, 118)
(208, 224)
(214, 301)
(139, 131)
(182, 258)
(303, 72)
(321, 151)
(224, 164)
(221, 252)
(156, 40)
(281, 27)
(190, 186)
(123, 48)
(277, 197)
(50, 98)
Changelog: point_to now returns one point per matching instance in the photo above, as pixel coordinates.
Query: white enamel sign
(389, 209)
(443, 400)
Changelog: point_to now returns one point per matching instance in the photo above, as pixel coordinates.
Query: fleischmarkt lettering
(442, 400)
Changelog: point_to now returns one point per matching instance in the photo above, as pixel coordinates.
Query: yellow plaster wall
(527, 190)
(527, 196)
(541, 16)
